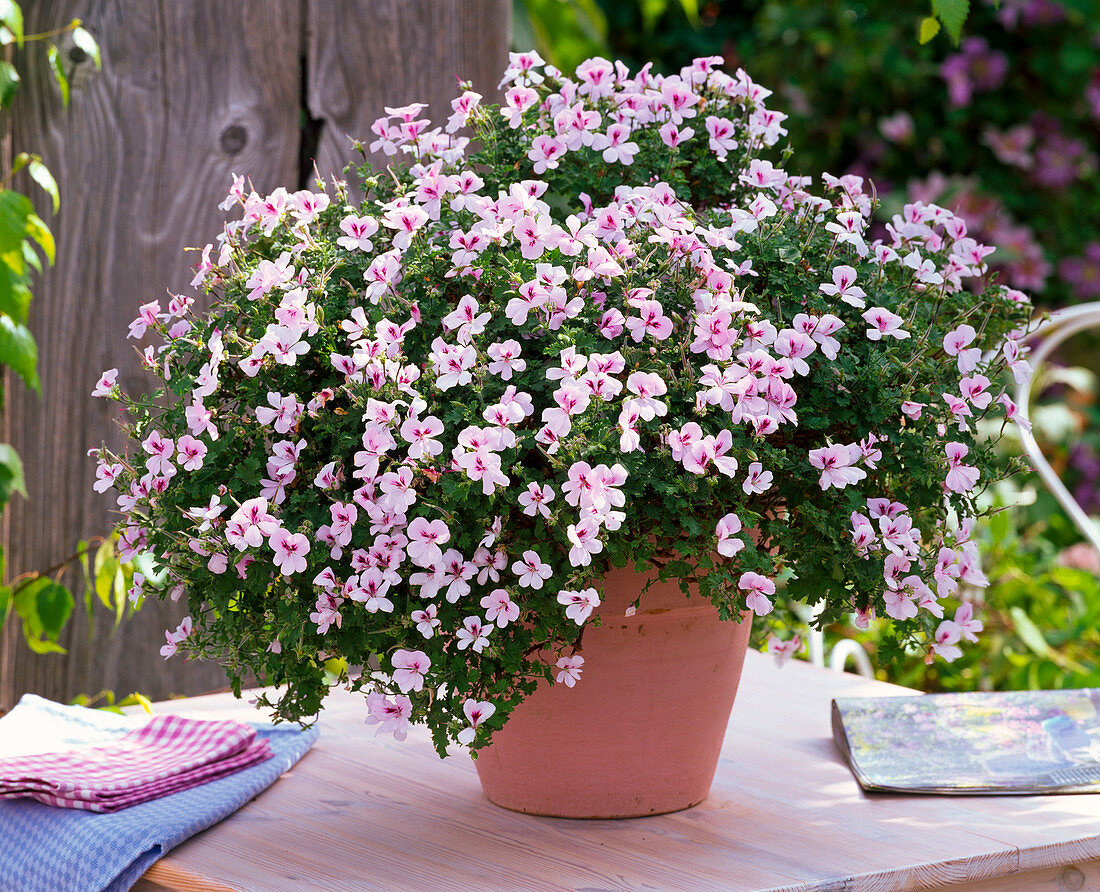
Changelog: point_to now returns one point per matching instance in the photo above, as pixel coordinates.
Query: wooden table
(361, 812)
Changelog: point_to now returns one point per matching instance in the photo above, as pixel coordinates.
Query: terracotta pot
(641, 731)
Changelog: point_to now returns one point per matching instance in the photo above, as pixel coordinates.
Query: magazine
(1010, 742)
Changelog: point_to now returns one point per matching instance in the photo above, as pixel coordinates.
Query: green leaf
(1030, 633)
(18, 350)
(55, 606)
(82, 548)
(124, 578)
(58, 69)
(15, 210)
(12, 17)
(40, 232)
(11, 474)
(9, 83)
(691, 10)
(25, 601)
(85, 41)
(44, 606)
(929, 28)
(42, 645)
(953, 14)
(15, 296)
(5, 604)
(651, 11)
(105, 568)
(41, 175)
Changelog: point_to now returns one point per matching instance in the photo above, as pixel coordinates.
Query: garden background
(1002, 125)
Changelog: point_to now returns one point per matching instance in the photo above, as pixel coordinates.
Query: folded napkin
(166, 755)
(75, 850)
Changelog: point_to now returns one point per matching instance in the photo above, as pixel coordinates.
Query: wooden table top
(364, 812)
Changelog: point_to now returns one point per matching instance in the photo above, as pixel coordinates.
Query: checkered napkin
(165, 756)
(47, 849)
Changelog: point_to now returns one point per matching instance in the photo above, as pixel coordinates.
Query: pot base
(641, 731)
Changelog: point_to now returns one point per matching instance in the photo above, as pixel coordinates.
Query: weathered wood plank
(367, 54)
(189, 92)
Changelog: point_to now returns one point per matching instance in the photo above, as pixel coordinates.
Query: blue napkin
(66, 850)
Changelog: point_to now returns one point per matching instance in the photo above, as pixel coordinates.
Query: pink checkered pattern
(167, 755)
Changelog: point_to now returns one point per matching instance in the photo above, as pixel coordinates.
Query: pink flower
(106, 384)
(426, 620)
(728, 543)
(476, 712)
(391, 716)
(960, 478)
(912, 409)
(758, 480)
(425, 537)
(673, 136)
(534, 500)
(652, 321)
(844, 287)
(571, 668)
(173, 639)
(532, 572)
(579, 605)
(783, 650)
(975, 389)
(884, 323)
(290, 551)
(955, 343)
(835, 463)
(160, 450)
(585, 540)
(474, 634)
(758, 588)
(409, 669)
(968, 626)
(500, 608)
(546, 152)
(190, 452)
(946, 641)
(721, 134)
(615, 145)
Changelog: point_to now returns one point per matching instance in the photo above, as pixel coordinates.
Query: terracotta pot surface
(641, 732)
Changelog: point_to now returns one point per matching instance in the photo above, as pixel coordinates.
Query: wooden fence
(190, 92)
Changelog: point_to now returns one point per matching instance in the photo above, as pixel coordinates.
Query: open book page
(1008, 742)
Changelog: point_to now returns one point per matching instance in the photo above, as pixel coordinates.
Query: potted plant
(609, 336)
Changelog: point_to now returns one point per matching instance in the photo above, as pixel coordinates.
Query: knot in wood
(1071, 878)
(233, 138)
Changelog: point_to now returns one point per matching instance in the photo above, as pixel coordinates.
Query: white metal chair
(1059, 327)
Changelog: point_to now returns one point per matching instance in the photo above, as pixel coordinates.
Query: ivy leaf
(18, 350)
(953, 14)
(929, 28)
(9, 83)
(11, 474)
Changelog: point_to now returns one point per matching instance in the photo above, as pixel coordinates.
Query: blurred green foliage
(1042, 619)
(1003, 127)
